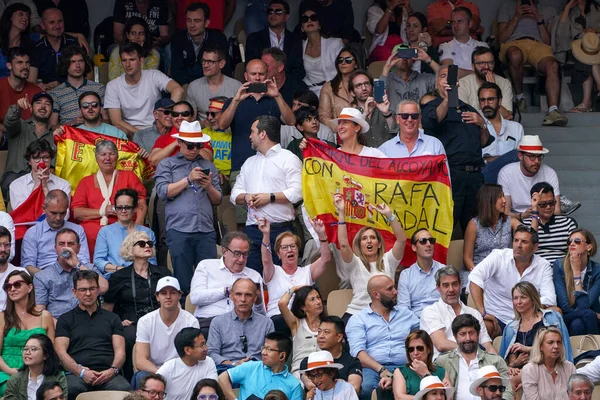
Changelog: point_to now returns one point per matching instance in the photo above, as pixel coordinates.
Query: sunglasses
(182, 113)
(405, 116)
(144, 243)
(244, 341)
(192, 146)
(577, 241)
(124, 208)
(345, 60)
(89, 104)
(424, 241)
(418, 348)
(211, 396)
(165, 112)
(276, 11)
(544, 204)
(495, 388)
(305, 18)
(211, 114)
(16, 284)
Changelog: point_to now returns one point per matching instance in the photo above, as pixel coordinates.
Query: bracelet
(577, 278)
(82, 372)
(392, 218)
(388, 10)
(483, 315)
(337, 223)
(245, 194)
(267, 246)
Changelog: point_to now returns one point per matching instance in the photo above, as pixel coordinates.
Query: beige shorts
(533, 52)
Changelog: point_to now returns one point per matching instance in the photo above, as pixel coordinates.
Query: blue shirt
(106, 129)
(45, 58)
(257, 379)
(425, 146)
(416, 288)
(66, 98)
(382, 340)
(38, 250)
(108, 244)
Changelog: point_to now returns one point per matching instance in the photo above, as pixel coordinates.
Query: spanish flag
(416, 189)
(75, 156)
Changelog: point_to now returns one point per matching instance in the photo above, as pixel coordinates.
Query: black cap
(39, 95)
(163, 103)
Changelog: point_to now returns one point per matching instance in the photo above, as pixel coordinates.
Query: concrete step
(573, 162)
(532, 119)
(566, 147)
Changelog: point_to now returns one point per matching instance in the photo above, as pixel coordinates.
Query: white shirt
(460, 53)
(469, 371)
(208, 286)
(275, 41)
(136, 101)
(10, 268)
(439, 316)
(33, 385)
(281, 282)
(371, 152)
(341, 391)
(7, 222)
(152, 330)
(509, 137)
(517, 186)
(497, 274)
(468, 87)
(182, 378)
(591, 370)
(20, 189)
(278, 170)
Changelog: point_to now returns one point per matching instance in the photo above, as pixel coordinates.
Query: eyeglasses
(405, 116)
(237, 253)
(90, 289)
(244, 341)
(577, 241)
(192, 146)
(210, 63)
(165, 112)
(544, 204)
(16, 284)
(361, 85)
(31, 349)
(345, 60)
(418, 348)
(276, 11)
(89, 104)
(144, 243)
(316, 375)
(44, 158)
(202, 345)
(182, 113)
(124, 208)
(305, 18)
(482, 63)
(287, 247)
(211, 114)
(495, 388)
(487, 99)
(5, 245)
(423, 241)
(211, 396)
(154, 393)
(533, 157)
(268, 349)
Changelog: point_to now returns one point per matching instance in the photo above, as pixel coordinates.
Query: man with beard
(90, 107)
(369, 333)
(21, 133)
(436, 319)
(468, 359)
(483, 66)
(489, 385)
(75, 65)
(5, 267)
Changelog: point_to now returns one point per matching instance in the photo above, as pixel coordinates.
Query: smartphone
(257, 87)
(378, 90)
(525, 2)
(206, 171)
(407, 53)
(452, 75)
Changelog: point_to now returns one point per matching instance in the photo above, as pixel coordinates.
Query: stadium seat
(455, 254)
(226, 216)
(103, 395)
(240, 68)
(337, 302)
(583, 343)
(189, 307)
(329, 281)
(496, 343)
(169, 262)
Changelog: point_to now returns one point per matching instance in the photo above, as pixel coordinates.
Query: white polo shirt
(497, 274)
(460, 53)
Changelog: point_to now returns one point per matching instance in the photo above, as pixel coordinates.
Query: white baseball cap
(167, 281)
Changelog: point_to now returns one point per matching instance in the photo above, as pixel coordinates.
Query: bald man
(381, 326)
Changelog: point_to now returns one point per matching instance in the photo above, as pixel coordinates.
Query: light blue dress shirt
(425, 146)
(106, 129)
(257, 379)
(382, 340)
(416, 288)
(108, 244)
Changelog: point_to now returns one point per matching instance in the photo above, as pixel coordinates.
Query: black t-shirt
(90, 336)
(75, 14)
(158, 13)
(351, 365)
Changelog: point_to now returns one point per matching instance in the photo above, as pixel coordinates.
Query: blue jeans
(581, 322)
(371, 381)
(490, 171)
(187, 250)
(137, 377)
(255, 17)
(254, 260)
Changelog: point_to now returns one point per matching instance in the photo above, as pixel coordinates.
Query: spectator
(439, 15)
(483, 63)
(276, 395)
(156, 332)
(212, 281)
(459, 50)
(15, 85)
(6, 267)
(74, 65)
(237, 336)
(466, 329)
(46, 51)
(495, 383)
(19, 322)
(146, 138)
(367, 339)
(351, 128)
(305, 98)
(318, 52)
(190, 187)
(155, 14)
(129, 98)
(504, 268)
(580, 387)
(54, 284)
(276, 61)
(213, 83)
(152, 386)
(309, 127)
(276, 35)
(136, 30)
(91, 111)
(37, 250)
(335, 95)
(75, 14)
(377, 114)
(585, 65)
(39, 154)
(576, 284)
(16, 33)
(188, 46)
(405, 83)
(553, 230)
(387, 22)
(490, 228)
(411, 141)
(94, 361)
(220, 141)
(367, 256)
(417, 36)
(107, 256)
(337, 18)
(433, 385)
(436, 319)
(50, 390)
(258, 377)
(221, 11)
(21, 133)
(547, 354)
(416, 287)
(524, 35)
(322, 371)
(193, 364)
(40, 364)
(93, 201)
(205, 388)
(463, 133)
(279, 184)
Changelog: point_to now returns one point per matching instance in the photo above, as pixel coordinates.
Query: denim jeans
(255, 17)
(371, 381)
(490, 171)
(187, 250)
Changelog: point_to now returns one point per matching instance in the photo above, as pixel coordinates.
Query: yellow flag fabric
(221, 144)
(416, 189)
(75, 157)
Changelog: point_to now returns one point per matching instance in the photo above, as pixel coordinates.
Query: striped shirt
(66, 98)
(553, 236)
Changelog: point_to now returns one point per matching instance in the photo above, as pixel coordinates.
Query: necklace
(332, 393)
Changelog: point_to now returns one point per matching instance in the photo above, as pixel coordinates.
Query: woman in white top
(351, 126)
(386, 21)
(319, 53)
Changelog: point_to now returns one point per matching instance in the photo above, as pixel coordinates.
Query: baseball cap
(167, 281)
(39, 95)
(163, 103)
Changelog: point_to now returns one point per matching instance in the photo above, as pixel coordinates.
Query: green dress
(413, 381)
(12, 350)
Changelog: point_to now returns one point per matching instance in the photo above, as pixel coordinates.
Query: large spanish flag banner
(75, 156)
(417, 189)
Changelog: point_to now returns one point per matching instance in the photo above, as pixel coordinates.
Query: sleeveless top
(487, 240)
(305, 342)
(12, 348)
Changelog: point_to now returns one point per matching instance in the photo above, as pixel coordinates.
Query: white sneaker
(567, 206)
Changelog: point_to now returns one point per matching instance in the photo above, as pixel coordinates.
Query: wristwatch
(381, 370)
(115, 370)
(272, 196)
(542, 22)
